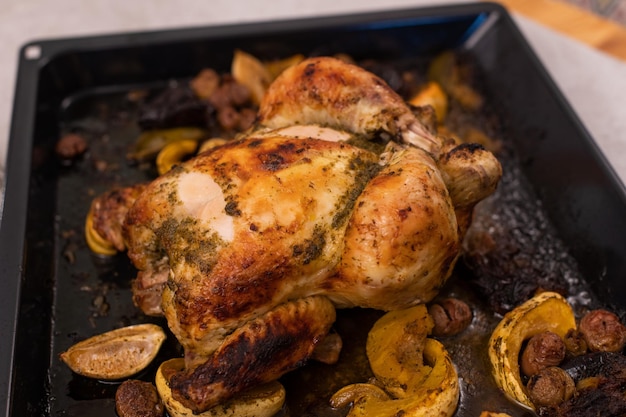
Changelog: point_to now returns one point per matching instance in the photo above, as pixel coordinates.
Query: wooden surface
(575, 22)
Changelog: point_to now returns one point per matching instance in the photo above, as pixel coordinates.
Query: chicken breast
(246, 227)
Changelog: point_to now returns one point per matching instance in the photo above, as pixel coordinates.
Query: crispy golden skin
(402, 240)
(246, 227)
(261, 351)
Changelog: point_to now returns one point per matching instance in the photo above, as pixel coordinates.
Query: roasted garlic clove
(174, 153)
(547, 311)
(416, 374)
(262, 401)
(116, 354)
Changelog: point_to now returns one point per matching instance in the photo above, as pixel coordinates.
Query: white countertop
(593, 82)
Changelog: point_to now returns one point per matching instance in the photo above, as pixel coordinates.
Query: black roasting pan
(54, 292)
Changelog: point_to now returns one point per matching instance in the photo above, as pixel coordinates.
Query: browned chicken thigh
(263, 237)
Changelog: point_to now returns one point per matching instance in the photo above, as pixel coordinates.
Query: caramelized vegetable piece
(252, 73)
(263, 401)
(174, 153)
(446, 71)
(95, 242)
(105, 219)
(432, 95)
(600, 379)
(151, 142)
(348, 394)
(416, 373)
(547, 311)
(116, 354)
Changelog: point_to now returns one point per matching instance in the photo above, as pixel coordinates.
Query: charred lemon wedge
(262, 401)
(547, 311)
(415, 375)
(116, 354)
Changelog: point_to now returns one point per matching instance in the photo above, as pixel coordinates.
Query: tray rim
(17, 174)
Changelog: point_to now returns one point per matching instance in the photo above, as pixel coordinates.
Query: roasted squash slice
(547, 311)
(415, 375)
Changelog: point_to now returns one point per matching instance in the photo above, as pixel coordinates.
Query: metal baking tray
(54, 292)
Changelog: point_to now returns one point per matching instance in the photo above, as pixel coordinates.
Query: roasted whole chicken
(248, 248)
